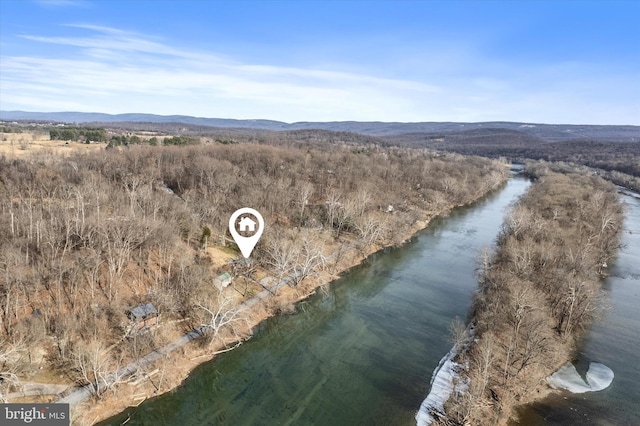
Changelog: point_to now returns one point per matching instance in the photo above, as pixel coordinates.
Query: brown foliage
(538, 291)
(87, 236)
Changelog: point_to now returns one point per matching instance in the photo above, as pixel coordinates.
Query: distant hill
(600, 150)
(614, 148)
(546, 132)
(89, 117)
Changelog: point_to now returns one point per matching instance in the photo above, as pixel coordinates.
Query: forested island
(538, 291)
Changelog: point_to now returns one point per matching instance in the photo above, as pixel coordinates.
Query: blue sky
(572, 62)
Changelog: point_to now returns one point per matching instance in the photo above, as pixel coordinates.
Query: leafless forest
(538, 291)
(616, 154)
(85, 236)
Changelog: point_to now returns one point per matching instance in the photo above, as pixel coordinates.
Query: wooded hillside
(87, 236)
(609, 154)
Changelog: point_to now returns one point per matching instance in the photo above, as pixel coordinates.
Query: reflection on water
(613, 341)
(360, 353)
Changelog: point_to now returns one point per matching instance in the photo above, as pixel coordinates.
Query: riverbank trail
(76, 395)
(37, 389)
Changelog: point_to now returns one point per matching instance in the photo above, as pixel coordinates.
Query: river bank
(170, 371)
(359, 351)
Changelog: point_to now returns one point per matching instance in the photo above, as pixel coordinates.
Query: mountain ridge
(549, 132)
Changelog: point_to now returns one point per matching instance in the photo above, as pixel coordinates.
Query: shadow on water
(360, 352)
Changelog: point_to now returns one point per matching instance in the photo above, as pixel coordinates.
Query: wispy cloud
(62, 3)
(111, 70)
(107, 38)
(114, 70)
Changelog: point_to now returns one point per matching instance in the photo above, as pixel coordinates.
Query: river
(362, 350)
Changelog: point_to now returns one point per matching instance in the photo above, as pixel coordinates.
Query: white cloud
(116, 71)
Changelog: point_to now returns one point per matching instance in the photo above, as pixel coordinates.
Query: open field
(31, 143)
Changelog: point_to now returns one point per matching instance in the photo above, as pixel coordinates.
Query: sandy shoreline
(170, 371)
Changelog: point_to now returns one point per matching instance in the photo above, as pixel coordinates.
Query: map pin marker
(247, 225)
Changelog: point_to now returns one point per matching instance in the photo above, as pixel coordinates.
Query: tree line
(84, 134)
(536, 169)
(10, 129)
(126, 140)
(90, 134)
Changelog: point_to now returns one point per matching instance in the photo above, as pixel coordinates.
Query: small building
(247, 225)
(142, 317)
(223, 280)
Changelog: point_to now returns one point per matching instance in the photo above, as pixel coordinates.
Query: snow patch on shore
(444, 382)
(598, 377)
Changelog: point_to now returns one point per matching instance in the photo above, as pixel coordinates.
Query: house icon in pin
(247, 225)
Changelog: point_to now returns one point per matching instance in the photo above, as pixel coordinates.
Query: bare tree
(304, 194)
(119, 238)
(96, 367)
(484, 360)
(371, 230)
(224, 315)
(92, 364)
(10, 354)
(459, 335)
(535, 341)
(281, 256)
(309, 261)
(333, 206)
(518, 220)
